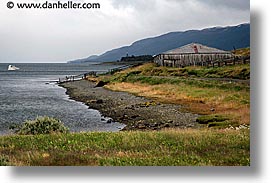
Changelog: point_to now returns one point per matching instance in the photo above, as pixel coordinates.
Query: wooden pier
(117, 69)
(72, 78)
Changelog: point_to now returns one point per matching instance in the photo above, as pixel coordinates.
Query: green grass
(217, 121)
(197, 89)
(233, 71)
(242, 51)
(191, 147)
(153, 75)
(155, 80)
(211, 118)
(162, 148)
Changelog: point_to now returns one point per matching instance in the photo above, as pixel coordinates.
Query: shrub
(4, 160)
(42, 125)
(211, 118)
(217, 121)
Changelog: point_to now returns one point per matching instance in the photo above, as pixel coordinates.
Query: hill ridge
(224, 38)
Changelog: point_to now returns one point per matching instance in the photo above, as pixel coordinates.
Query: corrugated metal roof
(195, 48)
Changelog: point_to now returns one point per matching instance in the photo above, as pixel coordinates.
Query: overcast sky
(61, 35)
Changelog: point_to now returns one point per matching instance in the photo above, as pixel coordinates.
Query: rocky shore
(137, 113)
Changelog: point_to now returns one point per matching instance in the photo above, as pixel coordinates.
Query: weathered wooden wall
(188, 59)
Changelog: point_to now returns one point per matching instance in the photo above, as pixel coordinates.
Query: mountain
(224, 38)
(93, 57)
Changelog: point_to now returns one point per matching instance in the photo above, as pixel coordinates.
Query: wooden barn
(193, 54)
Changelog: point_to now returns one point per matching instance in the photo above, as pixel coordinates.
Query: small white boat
(12, 68)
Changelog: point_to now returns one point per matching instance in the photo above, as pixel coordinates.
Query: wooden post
(243, 60)
(234, 60)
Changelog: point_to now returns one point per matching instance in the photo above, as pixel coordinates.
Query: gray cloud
(61, 35)
(243, 5)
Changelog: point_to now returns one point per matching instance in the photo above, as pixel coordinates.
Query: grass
(211, 118)
(198, 100)
(150, 69)
(202, 96)
(171, 147)
(242, 52)
(222, 104)
(201, 90)
(217, 121)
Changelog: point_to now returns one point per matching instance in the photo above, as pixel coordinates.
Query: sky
(61, 35)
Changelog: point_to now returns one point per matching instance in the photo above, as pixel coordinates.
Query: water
(24, 95)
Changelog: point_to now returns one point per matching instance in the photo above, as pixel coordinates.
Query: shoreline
(137, 113)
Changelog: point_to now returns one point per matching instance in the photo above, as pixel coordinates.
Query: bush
(42, 125)
(211, 118)
(217, 121)
(4, 160)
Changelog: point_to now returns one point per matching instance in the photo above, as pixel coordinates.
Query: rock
(91, 101)
(99, 101)
(212, 109)
(154, 125)
(121, 118)
(132, 108)
(140, 126)
(100, 84)
(110, 120)
(146, 124)
(170, 121)
(211, 125)
(166, 125)
(135, 116)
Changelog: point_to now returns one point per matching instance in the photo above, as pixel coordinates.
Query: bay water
(31, 92)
